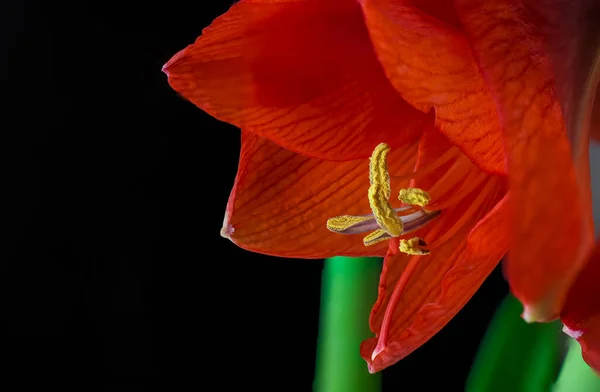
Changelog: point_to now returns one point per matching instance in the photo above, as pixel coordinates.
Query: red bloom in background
(472, 98)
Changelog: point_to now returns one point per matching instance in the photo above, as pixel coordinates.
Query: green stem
(349, 290)
(575, 375)
(515, 356)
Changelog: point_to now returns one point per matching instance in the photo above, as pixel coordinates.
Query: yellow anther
(413, 247)
(375, 237)
(414, 197)
(344, 222)
(386, 217)
(378, 170)
(383, 212)
(380, 191)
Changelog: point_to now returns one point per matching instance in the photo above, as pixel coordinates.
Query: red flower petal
(300, 73)
(581, 314)
(548, 233)
(572, 41)
(281, 200)
(419, 295)
(431, 64)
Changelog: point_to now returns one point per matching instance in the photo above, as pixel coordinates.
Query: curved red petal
(419, 295)
(581, 314)
(300, 73)
(549, 235)
(281, 201)
(431, 65)
(572, 41)
(571, 38)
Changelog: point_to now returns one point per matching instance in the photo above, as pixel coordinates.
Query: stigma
(385, 222)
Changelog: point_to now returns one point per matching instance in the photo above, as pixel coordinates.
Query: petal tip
(227, 229)
(378, 349)
(165, 69)
(169, 65)
(371, 368)
(527, 316)
(530, 315)
(540, 312)
(571, 332)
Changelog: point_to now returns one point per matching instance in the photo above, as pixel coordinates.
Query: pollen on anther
(339, 224)
(413, 246)
(414, 197)
(379, 192)
(375, 237)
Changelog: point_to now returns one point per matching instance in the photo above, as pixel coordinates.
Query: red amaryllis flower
(446, 98)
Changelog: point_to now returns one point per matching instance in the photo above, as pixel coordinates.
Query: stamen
(353, 224)
(418, 219)
(413, 219)
(385, 220)
(376, 237)
(383, 212)
(380, 191)
(414, 196)
(414, 246)
(378, 170)
(339, 224)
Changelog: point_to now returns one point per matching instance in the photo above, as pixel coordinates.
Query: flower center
(386, 222)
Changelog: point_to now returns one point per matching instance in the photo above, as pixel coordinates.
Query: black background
(114, 276)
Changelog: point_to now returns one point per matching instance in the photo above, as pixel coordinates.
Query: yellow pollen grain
(375, 237)
(413, 247)
(414, 197)
(383, 212)
(379, 194)
(380, 191)
(378, 170)
(341, 223)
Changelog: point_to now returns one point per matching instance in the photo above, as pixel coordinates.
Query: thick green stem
(515, 356)
(349, 289)
(575, 375)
